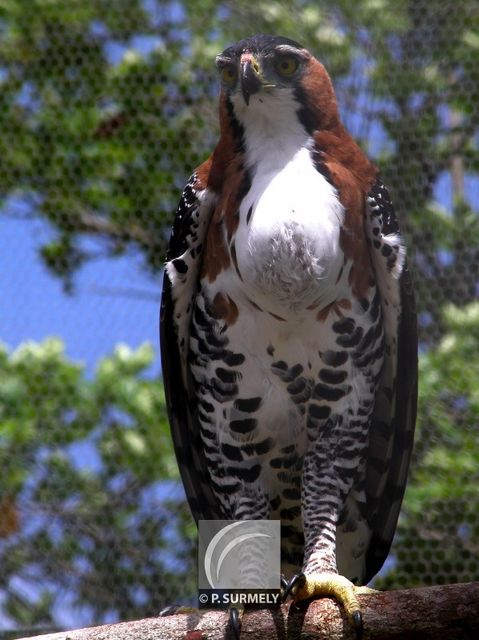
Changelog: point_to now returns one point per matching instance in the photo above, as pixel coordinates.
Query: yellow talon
(330, 585)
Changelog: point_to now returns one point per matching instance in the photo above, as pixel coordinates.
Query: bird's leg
(329, 472)
(251, 574)
(252, 505)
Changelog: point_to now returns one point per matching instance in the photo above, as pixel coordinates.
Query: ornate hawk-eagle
(288, 329)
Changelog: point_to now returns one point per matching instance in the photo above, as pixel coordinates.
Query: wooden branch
(433, 613)
(92, 223)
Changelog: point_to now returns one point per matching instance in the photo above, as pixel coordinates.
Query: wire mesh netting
(106, 106)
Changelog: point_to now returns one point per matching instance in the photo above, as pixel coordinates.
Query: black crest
(260, 43)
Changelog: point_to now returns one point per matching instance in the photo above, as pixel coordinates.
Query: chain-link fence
(105, 108)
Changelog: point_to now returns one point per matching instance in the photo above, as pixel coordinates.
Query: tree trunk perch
(433, 613)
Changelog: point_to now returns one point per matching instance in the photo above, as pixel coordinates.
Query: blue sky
(114, 299)
(94, 319)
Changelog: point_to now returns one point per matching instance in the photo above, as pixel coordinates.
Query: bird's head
(264, 73)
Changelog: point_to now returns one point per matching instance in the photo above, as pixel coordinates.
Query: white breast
(288, 251)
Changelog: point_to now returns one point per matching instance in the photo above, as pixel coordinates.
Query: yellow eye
(229, 74)
(287, 66)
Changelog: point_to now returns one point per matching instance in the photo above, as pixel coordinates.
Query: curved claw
(235, 622)
(358, 624)
(303, 588)
(293, 585)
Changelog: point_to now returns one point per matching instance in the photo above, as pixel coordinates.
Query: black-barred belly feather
(284, 407)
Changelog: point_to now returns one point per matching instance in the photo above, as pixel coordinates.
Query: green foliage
(427, 83)
(106, 106)
(83, 137)
(438, 534)
(89, 486)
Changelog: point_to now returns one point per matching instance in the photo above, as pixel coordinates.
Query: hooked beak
(250, 77)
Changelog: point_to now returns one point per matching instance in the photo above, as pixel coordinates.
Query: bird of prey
(288, 327)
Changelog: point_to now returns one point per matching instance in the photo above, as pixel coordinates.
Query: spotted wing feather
(393, 420)
(179, 289)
